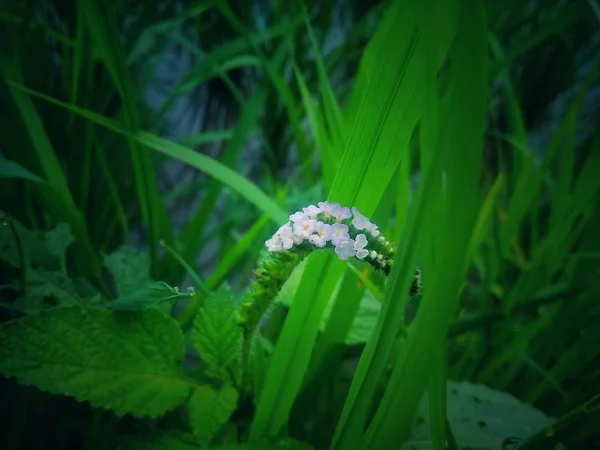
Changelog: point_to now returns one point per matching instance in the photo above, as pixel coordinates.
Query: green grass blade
(103, 29)
(193, 233)
(287, 368)
(55, 193)
(400, 25)
(461, 149)
(214, 168)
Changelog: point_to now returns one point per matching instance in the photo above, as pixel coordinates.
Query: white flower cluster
(322, 225)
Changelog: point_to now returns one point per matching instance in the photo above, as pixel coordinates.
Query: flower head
(345, 250)
(339, 233)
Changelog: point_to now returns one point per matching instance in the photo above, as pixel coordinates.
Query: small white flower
(345, 250)
(297, 216)
(297, 239)
(373, 254)
(362, 253)
(304, 228)
(284, 230)
(311, 211)
(327, 208)
(322, 234)
(340, 213)
(360, 221)
(286, 235)
(361, 242)
(339, 233)
(274, 244)
(375, 232)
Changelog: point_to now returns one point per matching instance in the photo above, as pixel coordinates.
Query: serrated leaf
(268, 444)
(130, 269)
(210, 409)
(217, 338)
(125, 362)
(147, 297)
(479, 417)
(44, 289)
(169, 440)
(47, 249)
(9, 250)
(58, 240)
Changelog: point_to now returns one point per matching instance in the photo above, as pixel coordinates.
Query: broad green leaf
(130, 269)
(10, 169)
(210, 409)
(58, 240)
(216, 336)
(168, 440)
(45, 289)
(147, 297)
(268, 444)
(480, 418)
(9, 243)
(125, 362)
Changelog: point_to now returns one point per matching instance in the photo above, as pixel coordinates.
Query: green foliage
(128, 363)
(210, 409)
(145, 146)
(130, 269)
(153, 295)
(273, 272)
(217, 337)
(171, 440)
(479, 417)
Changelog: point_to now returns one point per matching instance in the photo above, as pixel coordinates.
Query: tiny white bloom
(287, 242)
(322, 234)
(327, 208)
(317, 240)
(360, 221)
(340, 213)
(339, 233)
(345, 250)
(311, 211)
(373, 254)
(375, 232)
(304, 228)
(297, 216)
(362, 253)
(284, 230)
(274, 244)
(361, 242)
